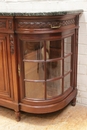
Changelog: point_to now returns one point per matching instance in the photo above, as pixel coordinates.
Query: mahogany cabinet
(38, 61)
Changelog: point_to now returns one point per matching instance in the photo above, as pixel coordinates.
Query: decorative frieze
(45, 24)
(6, 25)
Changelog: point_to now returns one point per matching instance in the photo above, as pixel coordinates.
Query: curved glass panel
(53, 69)
(67, 81)
(53, 49)
(67, 64)
(67, 46)
(33, 50)
(34, 90)
(34, 70)
(54, 88)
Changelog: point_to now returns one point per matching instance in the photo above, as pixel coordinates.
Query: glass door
(46, 68)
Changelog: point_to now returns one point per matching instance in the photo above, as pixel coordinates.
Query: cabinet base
(52, 107)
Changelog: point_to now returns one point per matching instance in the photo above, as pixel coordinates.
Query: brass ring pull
(55, 26)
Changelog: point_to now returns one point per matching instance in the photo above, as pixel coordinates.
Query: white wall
(41, 5)
(55, 5)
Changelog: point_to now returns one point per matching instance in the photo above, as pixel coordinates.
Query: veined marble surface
(41, 13)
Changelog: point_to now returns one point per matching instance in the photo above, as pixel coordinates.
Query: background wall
(42, 5)
(55, 5)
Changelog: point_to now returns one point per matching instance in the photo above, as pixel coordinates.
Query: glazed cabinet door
(5, 68)
(45, 68)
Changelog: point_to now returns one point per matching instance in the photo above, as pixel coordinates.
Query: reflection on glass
(34, 90)
(67, 64)
(33, 50)
(53, 49)
(53, 69)
(66, 82)
(54, 88)
(67, 46)
(43, 70)
(34, 70)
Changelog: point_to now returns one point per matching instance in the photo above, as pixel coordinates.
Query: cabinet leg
(17, 115)
(73, 102)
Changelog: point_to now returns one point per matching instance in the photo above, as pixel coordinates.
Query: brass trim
(55, 26)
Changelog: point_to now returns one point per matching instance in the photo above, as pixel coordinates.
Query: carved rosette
(44, 24)
(12, 43)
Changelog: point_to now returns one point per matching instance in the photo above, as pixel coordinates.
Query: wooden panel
(2, 23)
(6, 25)
(5, 89)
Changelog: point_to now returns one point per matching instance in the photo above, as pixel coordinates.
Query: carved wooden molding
(12, 43)
(10, 24)
(2, 24)
(44, 24)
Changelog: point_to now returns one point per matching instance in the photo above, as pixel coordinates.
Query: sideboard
(38, 61)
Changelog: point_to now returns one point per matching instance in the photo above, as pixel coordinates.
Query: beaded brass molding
(45, 24)
(11, 43)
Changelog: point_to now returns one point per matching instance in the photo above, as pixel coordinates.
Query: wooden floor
(70, 118)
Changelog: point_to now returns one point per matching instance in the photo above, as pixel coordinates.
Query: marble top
(41, 13)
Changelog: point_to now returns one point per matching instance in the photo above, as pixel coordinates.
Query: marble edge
(41, 13)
